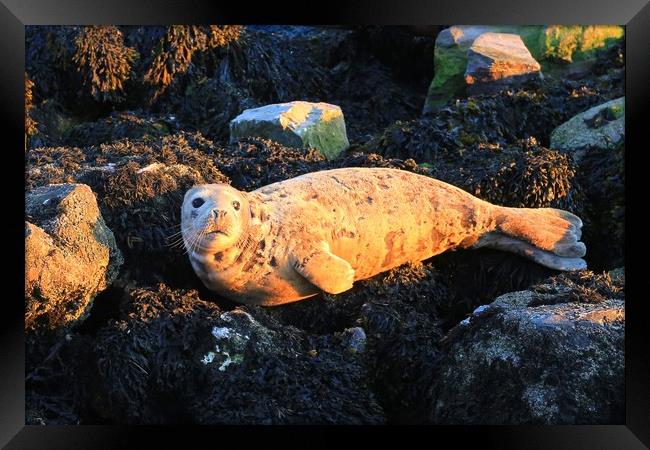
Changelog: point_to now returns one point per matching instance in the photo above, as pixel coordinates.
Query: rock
(226, 367)
(295, 124)
(496, 61)
(551, 355)
(557, 48)
(70, 255)
(600, 127)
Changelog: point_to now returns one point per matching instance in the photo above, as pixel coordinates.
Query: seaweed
(30, 123)
(175, 50)
(602, 173)
(103, 62)
(584, 286)
(158, 364)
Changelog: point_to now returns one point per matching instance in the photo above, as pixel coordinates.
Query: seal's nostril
(215, 213)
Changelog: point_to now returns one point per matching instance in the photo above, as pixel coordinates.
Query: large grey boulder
(550, 355)
(70, 255)
(498, 60)
(295, 124)
(601, 127)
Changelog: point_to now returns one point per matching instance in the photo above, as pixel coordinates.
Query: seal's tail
(549, 236)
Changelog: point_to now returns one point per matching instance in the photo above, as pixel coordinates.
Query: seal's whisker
(178, 233)
(174, 242)
(195, 244)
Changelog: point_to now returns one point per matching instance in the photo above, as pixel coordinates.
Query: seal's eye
(236, 205)
(197, 202)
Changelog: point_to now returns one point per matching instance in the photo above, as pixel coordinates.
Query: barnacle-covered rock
(551, 355)
(172, 357)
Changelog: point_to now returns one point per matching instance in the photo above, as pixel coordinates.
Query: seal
(324, 230)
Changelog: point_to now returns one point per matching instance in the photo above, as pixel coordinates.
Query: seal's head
(213, 217)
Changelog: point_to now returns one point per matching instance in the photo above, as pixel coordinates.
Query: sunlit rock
(498, 60)
(295, 124)
(70, 255)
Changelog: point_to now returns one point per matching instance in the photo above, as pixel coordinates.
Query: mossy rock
(553, 46)
(295, 124)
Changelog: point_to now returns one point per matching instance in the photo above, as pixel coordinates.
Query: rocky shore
(121, 121)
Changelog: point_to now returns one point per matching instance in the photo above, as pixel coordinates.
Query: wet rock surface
(156, 347)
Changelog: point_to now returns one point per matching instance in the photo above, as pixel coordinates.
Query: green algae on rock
(295, 124)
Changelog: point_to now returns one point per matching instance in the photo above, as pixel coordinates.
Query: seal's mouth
(215, 232)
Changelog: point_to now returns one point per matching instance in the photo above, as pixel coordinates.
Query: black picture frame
(15, 14)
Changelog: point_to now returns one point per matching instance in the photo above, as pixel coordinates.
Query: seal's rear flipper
(326, 270)
(500, 241)
(553, 230)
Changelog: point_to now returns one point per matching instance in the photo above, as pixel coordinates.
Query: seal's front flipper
(552, 260)
(326, 271)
